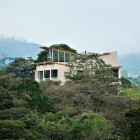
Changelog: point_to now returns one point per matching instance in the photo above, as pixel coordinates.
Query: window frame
(52, 75)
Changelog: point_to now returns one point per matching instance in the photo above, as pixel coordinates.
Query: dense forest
(89, 106)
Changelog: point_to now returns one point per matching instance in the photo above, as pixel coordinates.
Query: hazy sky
(92, 25)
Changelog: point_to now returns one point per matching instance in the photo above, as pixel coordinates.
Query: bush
(5, 99)
(20, 103)
(91, 126)
(10, 83)
(37, 101)
(61, 126)
(13, 113)
(133, 121)
(13, 129)
(125, 82)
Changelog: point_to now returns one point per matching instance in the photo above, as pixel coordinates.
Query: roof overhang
(48, 48)
(48, 63)
(117, 67)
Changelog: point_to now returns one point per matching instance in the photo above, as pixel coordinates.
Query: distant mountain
(13, 48)
(130, 63)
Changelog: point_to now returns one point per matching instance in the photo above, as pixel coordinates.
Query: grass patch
(132, 93)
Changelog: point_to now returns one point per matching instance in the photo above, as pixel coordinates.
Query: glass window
(46, 73)
(61, 56)
(49, 56)
(40, 75)
(67, 57)
(55, 56)
(54, 73)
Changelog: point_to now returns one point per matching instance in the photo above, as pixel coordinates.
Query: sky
(91, 25)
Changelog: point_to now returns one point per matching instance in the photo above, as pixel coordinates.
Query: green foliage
(89, 67)
(14, 129)
(5, 99)
(20, 102)
(35, 98)
(42, 56)
(25, 104)
(61, 126)
(125, 82)
(91, 126)
(63, 47)
(132, 93)
(10, 83)
(31, 121)
(13, 113)
(20, 68)
(133, 120)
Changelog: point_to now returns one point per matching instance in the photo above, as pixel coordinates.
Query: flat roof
(44, 63)
(48, 48)
(104, 54)
(117, 67)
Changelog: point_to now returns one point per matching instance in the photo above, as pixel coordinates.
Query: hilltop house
(55, 66)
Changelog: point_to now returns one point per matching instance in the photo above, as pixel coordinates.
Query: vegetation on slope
(86, 108)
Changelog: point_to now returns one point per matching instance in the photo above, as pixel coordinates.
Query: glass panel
(46, 73)
(54, 73)
(40, 75)
(67, 57)
(49, 58)
(61, 56)
(55, 56)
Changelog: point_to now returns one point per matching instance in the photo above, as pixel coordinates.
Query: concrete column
(119, 73)
(36, 75)
(58, 56)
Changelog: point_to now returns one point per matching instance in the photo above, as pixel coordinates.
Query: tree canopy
(63, 47)
(89, 66)
(42, 56)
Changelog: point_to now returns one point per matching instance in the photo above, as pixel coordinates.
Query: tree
(89, 67)
(61, 126)
(125, 82)
(37, 101)
(20, 67)
(15, 129)
(5, 99)
(42, 56)
(133, 120)
(63, 47)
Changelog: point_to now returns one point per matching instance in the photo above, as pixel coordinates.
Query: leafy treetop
(63, 47)
(89, 66)
(42, 56)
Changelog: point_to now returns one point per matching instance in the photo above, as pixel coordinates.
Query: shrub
(5, 99)
(37, 101)
(10, 83)
(13, 113)
(133, 121)
(61, 126)
(13, 129)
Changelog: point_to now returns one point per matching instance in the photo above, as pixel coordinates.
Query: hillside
(13, 47)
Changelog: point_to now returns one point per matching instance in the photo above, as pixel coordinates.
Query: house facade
(55, 66)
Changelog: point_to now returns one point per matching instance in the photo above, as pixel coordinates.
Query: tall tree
(91, 68)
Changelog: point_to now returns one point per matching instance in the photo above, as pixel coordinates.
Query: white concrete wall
(119, 73)
(111, 58)
(61, 71)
